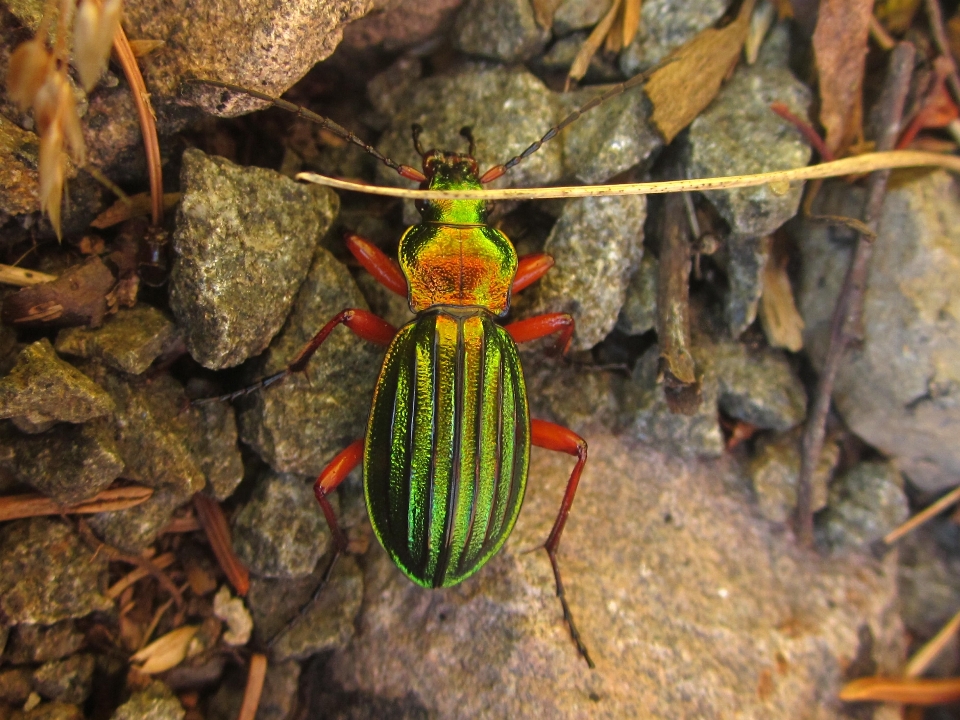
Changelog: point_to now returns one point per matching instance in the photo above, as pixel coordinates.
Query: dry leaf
(130, 207)
(781, 322)
(165, 652)
(840, 48)
(760, 22)
(681, 89)
(590, 46)
(142, 48)
(631, 20)
(35, 505)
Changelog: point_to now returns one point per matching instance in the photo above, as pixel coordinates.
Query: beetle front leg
(362, 323)
(530, 269)
(549, 436)
(542, 325)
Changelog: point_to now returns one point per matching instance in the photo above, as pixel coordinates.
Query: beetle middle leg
(549, 436)
(540, 326)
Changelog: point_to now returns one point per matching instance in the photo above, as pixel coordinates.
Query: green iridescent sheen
(448, 445)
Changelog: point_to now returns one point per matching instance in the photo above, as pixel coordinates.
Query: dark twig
(935, 16)
(846, 314)
(680, 383)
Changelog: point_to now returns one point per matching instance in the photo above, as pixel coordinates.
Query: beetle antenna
(467, 132)
(417, 129)
(326, 123)
(618, 89)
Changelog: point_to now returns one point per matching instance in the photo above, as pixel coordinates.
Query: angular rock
(243, 244)
(597, 244)
(128, 341)
(299, 425)
(739, 134)
(900, 388)
(645, 415)
(562, 54)
(68, 463)
(759, 387)
(665, 25)
(47, 573)
(503, 30)
(280, 532)
(15, 686)
(608, 139)
(30, 644)
(215, 447)
(19, 158)
(572, 15)
(684, 599)
(928, 578)
(50, 711)
(507, 108)
(256, 45)
(328, 622)
(865, 504)
(775, 470)
(274, 602)
(639, 312)
(389, 90)
(69, 681)
(280, 690)
(401, 24)
(558, 391)
(42, 389)
(156, 702)
(136, 528)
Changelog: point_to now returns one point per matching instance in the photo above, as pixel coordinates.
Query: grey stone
(574, 15)
(608, 139)
(864, 504)
(30, 644)
(136, 528)
(42, 389)
(47, 573)
(665, 25)
(69, 680)
(597, 244)
(389, 90)
(299, 425)
(275, 602)
(900, 388)
(645, 415)
(504, 30)
(400, 24)
(215, 447)
(280, 690)
(280, 532)
(639, 312)
(686, 601)
(128, 341)
(328, 622)
(507, 108)
(50, 711)
(759, 387)
(739, 134)
(561, 55)
(775, 470)
(243, 244)
(257, 45)
(558, 390)
(68, 463)
(928, 579)
(156, 702)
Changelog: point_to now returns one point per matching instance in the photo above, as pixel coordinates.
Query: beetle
(446, 453)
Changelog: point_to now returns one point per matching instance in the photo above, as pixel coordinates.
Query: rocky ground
(154, 552)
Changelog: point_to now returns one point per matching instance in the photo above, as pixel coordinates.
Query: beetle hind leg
(549, 436)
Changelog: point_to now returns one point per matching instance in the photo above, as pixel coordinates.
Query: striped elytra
(448, 445)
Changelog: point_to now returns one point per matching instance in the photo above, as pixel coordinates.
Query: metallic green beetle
(447, 447)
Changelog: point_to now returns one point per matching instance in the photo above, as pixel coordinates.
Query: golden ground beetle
(448, 440)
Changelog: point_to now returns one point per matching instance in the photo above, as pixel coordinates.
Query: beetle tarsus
(567, 614)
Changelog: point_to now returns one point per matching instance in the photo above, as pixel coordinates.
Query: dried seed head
(93, 32)
(46, 102)
(29, 65)
(52, 172)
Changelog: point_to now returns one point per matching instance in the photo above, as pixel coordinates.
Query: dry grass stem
(951, 498)
(779, 317)
(154, 621)
(13, 507)
(11, 275)
(922, 658)
(593, 42)
(115, 590)
(256, 675)
(880, 35)
(130, 207)
(909, 691)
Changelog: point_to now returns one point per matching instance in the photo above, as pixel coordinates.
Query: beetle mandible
(447, 446)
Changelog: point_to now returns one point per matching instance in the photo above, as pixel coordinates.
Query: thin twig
(921, 517)
(116, 555)
(154, 621)
(21, 277)
(162, 562)
(880, 35)
(922, 658)
(847, 312)
(148, 124)
(256, 674)
(13, 507)
(943, 45)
